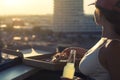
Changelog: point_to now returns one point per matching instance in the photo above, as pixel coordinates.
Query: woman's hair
(113, 17)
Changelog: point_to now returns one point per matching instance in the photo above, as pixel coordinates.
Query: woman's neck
(109, 33)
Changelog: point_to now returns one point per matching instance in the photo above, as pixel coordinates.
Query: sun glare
(9, 7)
(35, 7)
(13, 3)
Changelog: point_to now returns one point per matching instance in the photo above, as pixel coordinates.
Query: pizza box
(44, 62)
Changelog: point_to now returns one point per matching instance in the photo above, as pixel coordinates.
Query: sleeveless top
(90, 65)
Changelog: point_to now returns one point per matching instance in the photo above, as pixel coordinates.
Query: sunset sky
(35, 7)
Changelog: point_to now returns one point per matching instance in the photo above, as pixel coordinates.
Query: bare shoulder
(113, 48)
(109, 49)
(110, 56)
(113, 44)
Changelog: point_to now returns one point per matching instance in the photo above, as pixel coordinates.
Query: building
(69, 17)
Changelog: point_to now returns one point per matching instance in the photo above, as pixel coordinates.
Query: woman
(101, 62)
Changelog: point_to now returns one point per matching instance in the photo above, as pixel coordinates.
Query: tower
(67, 15)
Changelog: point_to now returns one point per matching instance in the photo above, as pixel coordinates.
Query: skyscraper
(69, 17)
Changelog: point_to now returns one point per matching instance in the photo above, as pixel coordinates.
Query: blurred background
(47, 24)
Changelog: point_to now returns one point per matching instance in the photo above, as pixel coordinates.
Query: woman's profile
(101, 62)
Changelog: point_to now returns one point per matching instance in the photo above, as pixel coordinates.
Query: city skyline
(34, 7)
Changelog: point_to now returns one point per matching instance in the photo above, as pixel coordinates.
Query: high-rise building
(69, 17)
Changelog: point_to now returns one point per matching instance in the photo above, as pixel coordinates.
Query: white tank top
(90, 66)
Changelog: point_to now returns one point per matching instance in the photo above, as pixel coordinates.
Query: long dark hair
(113, 17)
